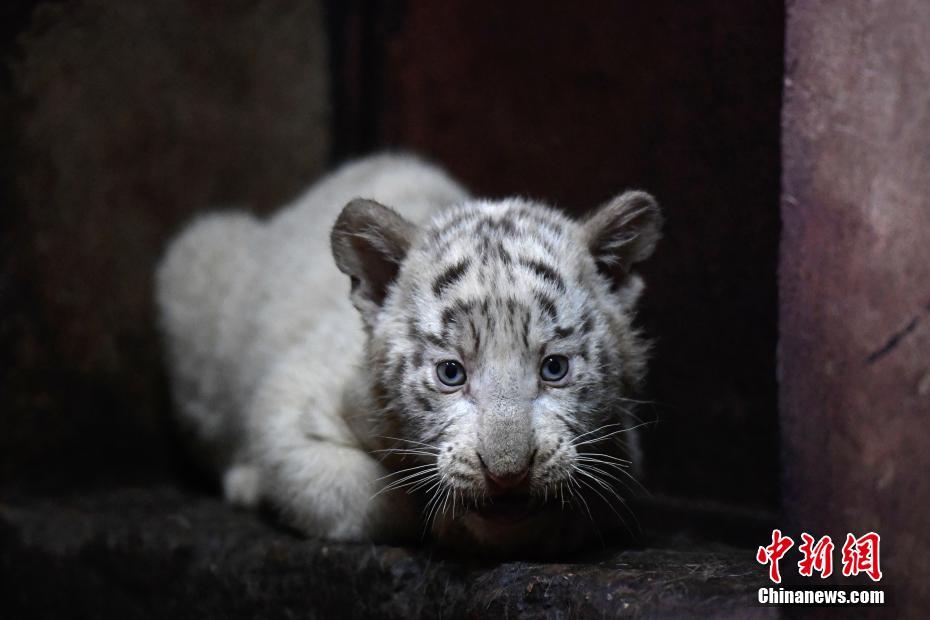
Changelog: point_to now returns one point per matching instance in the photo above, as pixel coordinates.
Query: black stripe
(399, 371)
(504, 254)
(587, 325)
(564, 332)
(570, 425)
(545, 272)
(546, 305)
(427, 387)
(424, 403)
(464, 306)
(504, 225)
(475, 334)
(526, 330)
(448, 316)
(450, 276)
(583, 353)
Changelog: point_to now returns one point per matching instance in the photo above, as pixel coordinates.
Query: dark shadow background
(122, 119)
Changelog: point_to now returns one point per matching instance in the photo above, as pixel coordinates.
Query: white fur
(261, 334)
(297, 399)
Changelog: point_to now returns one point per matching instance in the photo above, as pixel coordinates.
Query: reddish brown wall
(855, 280)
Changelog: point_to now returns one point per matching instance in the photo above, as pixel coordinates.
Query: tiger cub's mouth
(508, 508)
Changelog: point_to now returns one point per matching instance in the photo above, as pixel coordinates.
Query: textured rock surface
(164, 554)
(855, 281)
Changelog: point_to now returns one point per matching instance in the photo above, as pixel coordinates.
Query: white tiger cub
(481, 391)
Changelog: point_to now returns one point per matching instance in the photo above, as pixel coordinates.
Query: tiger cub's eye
(554, 368)
(451, 373)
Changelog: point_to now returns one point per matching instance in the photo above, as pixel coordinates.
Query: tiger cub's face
(502, 359)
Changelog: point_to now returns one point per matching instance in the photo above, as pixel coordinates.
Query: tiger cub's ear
(622, 233)
(369, 242)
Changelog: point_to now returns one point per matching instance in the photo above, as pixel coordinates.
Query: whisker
(597, 465)
(594, 431)
(411, 479)
(420, 484)
(419, 443)
(589, 471)
(442, 492)
(405, 470)
(580, 497)
(598, 456)
(609, 505)
(611, 434)
(632, 478)
(637, 402)
(445, 502)
(404, 452)
(400, 481)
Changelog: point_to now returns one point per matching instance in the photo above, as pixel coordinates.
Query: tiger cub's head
(502, 359)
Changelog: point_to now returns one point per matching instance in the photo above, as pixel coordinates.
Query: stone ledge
(166, 553)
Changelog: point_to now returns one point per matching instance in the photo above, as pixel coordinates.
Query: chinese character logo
(859, 555)
(773, 553)
(817, 557)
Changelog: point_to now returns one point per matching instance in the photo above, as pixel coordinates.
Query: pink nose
(502, 482)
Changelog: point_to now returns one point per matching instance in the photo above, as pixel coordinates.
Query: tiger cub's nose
(503, 481)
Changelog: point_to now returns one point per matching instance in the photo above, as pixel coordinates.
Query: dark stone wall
(122, 119)
(855, 282)
(574, 102)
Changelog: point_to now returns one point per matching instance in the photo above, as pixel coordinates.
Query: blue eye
(554, 368)
(451, 373)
